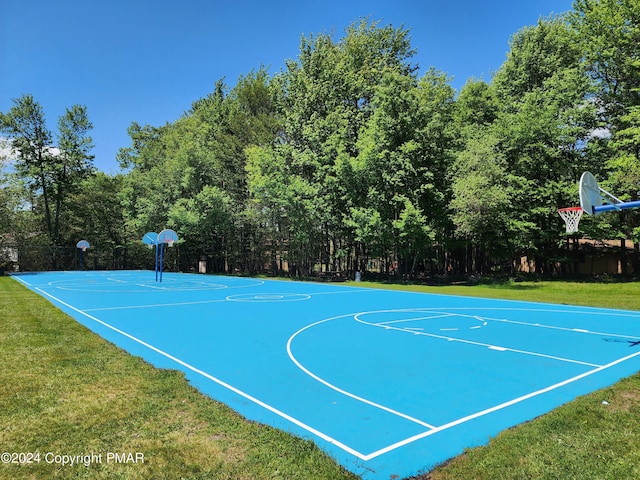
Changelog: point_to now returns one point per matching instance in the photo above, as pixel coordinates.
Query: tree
(404, 155)
(74, 162)
(481, 203)
(50, 172)
(544, 126)
(347, 154)
(31, 140)
(476, 104)
(326, 103)
(95, 212)
(178, 171)
(609, 31)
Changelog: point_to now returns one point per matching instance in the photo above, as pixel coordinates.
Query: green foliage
(545, 129)
(26, 127)
(477, 104)
(51, 173)
(537, 53)
(482, 196)
(348, 156)
(609, 32)
(95, 211)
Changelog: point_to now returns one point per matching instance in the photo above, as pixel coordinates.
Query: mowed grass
(66, 391)
(623, 295)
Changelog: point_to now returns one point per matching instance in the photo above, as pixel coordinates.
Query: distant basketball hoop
(82, 245)
(150, 239)
(168, 236)
(571, 217)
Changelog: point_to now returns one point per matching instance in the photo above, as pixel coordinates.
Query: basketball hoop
(168, 236)
(83, 245)
(571, 217)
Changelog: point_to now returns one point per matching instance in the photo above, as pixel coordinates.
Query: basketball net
(571, 217)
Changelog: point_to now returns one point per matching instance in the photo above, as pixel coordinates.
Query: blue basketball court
(388, 383)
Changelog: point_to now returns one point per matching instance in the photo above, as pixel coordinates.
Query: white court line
(176, 288)
(591, 311)
(17, 277)
(340, 390)
(274, 410)
(200, 302)
(433, 317)
(469, 342)
(496, 408)
(116, 280)
(342, 292)
(555, 327)
(435, 429)
(417, 319)
(170, 285)
(154, 305)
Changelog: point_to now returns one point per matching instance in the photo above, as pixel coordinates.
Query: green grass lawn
(66, 391)
(624, 295)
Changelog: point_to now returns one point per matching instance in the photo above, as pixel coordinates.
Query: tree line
(349, 159)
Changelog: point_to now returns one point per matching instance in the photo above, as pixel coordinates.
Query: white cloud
(600, 133)
(9, 155)
(6, 152)
(54, 151)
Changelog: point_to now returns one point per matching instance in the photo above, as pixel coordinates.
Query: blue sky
(148, 60)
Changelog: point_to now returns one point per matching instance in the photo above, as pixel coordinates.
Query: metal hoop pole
(615, 206)
(161, 260)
